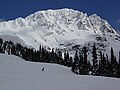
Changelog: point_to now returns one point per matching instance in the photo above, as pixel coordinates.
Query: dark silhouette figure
(43, 69)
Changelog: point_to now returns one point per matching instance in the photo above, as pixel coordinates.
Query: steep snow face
(16, 74)
(62, 28)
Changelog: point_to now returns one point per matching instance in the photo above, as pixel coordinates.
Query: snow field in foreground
(17, 74)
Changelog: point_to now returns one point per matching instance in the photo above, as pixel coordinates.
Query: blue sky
(106, 9)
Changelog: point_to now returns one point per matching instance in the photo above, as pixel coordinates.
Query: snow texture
(62, 28)
(16, 74)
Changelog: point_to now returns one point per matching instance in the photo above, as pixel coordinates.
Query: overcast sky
(106, 9)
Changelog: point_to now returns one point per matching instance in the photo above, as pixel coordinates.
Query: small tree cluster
(99, 67)
(80, 64)
(31, 54)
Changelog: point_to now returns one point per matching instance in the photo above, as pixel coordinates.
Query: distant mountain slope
(16, 74)
(63, 28)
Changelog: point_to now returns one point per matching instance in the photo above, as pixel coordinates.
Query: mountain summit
(63, 28)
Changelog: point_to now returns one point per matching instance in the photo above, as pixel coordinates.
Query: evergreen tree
(95, 61)
(60, 59)
(52, 56)
(104, 65)
(68, 60)
(81, 64)
(70, 63)
(65, 59)
(43, 55)
(1, 43)
(115, 67)
(114, 64)
(55, 57)
(47, 57)
(40, 48)
(101, 64)
(38, 56)
(75, 64)
(85, 67)
(89, 67)
(23, 51)
(107, 66)
(8, 49)
(1, 49)
(4, 46)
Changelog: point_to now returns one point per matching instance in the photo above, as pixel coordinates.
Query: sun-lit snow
(62, 28)
(17, 74)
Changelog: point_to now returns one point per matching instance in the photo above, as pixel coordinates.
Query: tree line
(80, 64)
(101, 66)
(33, 55)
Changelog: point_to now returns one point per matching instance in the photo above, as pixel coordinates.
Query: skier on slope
(43, 69)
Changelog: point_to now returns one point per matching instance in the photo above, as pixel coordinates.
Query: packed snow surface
(17, 74)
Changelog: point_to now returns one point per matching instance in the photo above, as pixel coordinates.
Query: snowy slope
(62, 28)
(16, 74)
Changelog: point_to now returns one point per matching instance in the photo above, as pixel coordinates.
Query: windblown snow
(16, 74)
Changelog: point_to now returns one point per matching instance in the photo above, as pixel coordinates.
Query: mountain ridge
(62, 28)
(37, 14)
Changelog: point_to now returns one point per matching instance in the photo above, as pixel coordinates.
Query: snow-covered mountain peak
(61, 28)
(55, 18)
(60, 15)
